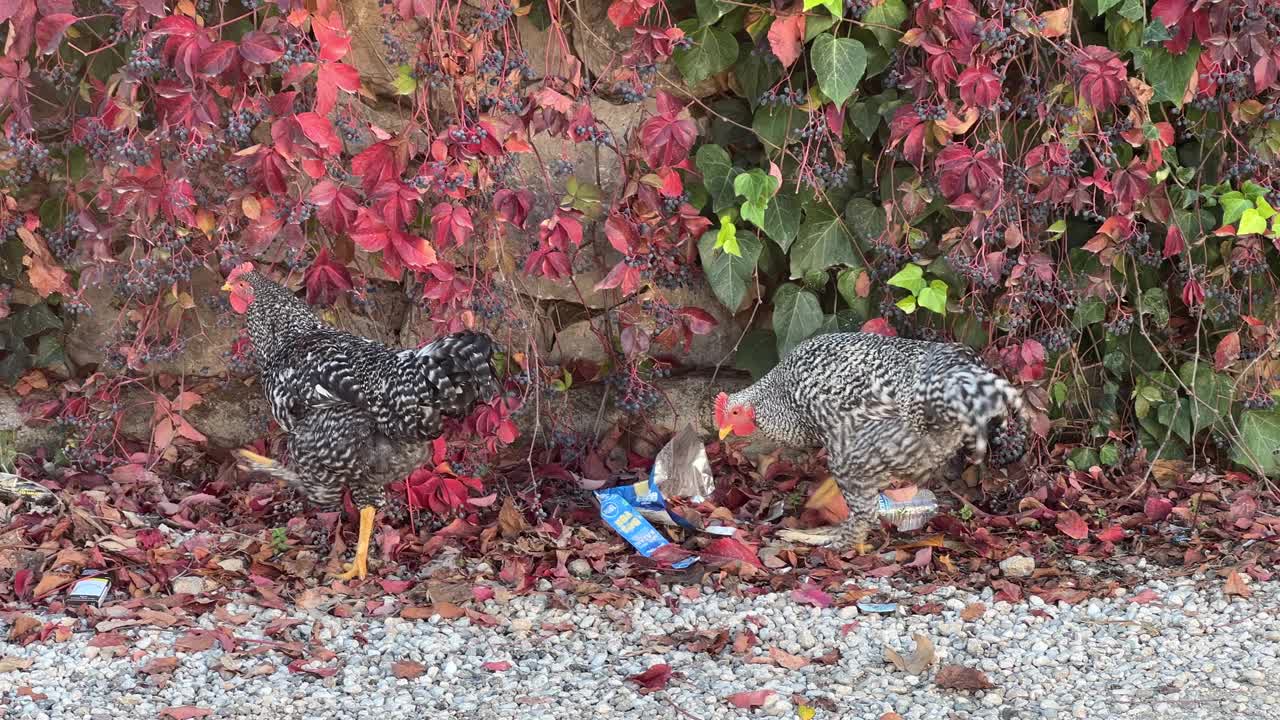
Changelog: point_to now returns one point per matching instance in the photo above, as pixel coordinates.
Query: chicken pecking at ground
(883, 407)
(357, 414)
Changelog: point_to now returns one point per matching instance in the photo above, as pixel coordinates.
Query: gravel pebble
(1106, 659)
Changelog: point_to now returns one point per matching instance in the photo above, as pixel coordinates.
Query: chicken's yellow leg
(360, 567)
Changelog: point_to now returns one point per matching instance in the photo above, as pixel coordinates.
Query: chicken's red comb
(722, 404)
(239, 270)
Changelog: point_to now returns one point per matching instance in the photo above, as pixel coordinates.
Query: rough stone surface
(1018, 566)
(87, 338)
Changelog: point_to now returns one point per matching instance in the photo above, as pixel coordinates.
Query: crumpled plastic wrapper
(682, 468)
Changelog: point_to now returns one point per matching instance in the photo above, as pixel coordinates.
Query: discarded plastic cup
(909, 515)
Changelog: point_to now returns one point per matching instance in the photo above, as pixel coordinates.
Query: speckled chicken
(883, 407)
(357, 413)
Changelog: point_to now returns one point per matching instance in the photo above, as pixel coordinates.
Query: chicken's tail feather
(459, 368)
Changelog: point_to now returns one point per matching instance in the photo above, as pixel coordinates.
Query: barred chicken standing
(881, 406)
(357, 413)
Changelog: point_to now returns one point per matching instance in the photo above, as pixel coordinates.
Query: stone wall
(552, 320)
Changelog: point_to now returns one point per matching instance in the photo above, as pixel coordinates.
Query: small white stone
(1017, 566)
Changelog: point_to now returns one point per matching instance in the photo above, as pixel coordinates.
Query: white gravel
(1189, 653)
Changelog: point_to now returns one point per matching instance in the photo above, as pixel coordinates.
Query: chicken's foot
(360, 567)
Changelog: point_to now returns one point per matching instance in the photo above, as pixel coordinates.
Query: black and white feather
(883, 407)
(358, 414)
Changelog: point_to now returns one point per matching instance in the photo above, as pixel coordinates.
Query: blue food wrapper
(620, 508)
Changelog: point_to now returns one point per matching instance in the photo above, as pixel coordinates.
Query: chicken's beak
(226, 287)
(725, 432)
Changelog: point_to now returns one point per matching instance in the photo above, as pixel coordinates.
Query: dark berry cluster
(857, 9)
(1120, 324)
(144, 61)
(1259, 402)
(1055, 340)
(490, 308)
(632, 395)
(27, 158)
(1008, 443)
(62, 242)
(822, 175)
(783, 96)
(495, 19)
(671, 205)
(594, 135)
(928, 111)
(240, 126)
(1222, 304)
(396, 54)
(561, 167)
(296, 51)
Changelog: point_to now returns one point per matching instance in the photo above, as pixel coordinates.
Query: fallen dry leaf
(750, 699)
(918, 661)
(186, 712)
(655, 678)
(959, 677)
(9, 663)
(891, 716)
(194, 642)
(51, 582)
(407, 669)
(23, 625)
(1236, 586)
(785, 659)
(497, 666)
(510, 520)
(160, 665)
(973, 611)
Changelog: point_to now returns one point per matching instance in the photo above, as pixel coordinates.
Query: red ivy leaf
(335, 41)
(216, 58)
(497, 666)
(1072, 525)
(326, 279)
(50, 29)
(334, 76)
(1104, 78)
(729, 548)
(451, 221)
(1113, 534)
(699, 321)
(1157, 508)
(513, 206)
(621, 233)
(810, 594)
(879, 326)
(1228, 351)
(261, 48)
(786, 38)
(655, 678)
(320, 131)
(667, 139)
(1174, 242)
(979, 86)
(625, 13)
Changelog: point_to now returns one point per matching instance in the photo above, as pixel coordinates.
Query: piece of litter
(881, 608)
(89, 591)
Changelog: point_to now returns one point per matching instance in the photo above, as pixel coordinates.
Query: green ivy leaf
(1155, 32)
(865, 115)
(33, 320)
(934, 297)
(796, 316)
(757, 187)
(1098, 7)
(907, 304)
(49, 351)
(1234, 204)
(1213, 392)
(404, 82)
(1264, 208)
(839, 64)
(772, 123)
(1259, 439)
(754, 75)
(816, 24)
(824, 241)
(883, 19)
(835, 7)
(1133, 10)
(909, 278)
(1251, 223)
(866, 218)
(713, 51)
(782, 220)
(728, 274)
(1155, 302)
(757, 353)
(709, 11)
(1089, 311)
(1058, 227)
(727, 237)
(717, 175)
(1167, 73)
